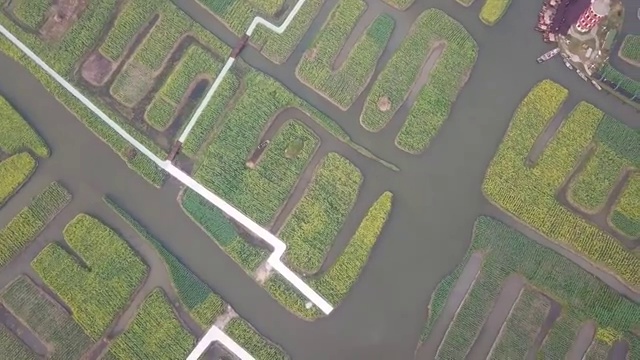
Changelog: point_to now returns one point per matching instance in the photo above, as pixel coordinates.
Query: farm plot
(435, 89)
(493, 10)
(583, 297)
(400, 4)
(155, 333)
(625, 216)
(591, 188)
(47, 319)
(336, 282)
(95, 296)
(12, 347)
(14, 172)
(31, 220)
(318, 217)
(203, 304)
(528, 192)
(31, 12)
(619, 82)
(343, 83)
(16, 134)
(630, 49)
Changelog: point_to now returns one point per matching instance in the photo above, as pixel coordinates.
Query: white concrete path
(214, 334)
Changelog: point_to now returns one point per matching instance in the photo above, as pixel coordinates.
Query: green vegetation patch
(432, 30)
(343, 84)
(155, 333)
(313, 225)
(528, 192)
(630, 49)
(202, 303)
(31, 12)
(591, 188)
(519, 331)
(620, 80)
(11, 347)
(625, 216)
(400, 4)
(31, 220)
(493, 10)
(582, 296)
(98, 293)
(17, 135)
(14, 172)
(246, 336)
(334, 284)
(52, 324)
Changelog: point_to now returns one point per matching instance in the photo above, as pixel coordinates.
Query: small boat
(548, 55)
(263, 144)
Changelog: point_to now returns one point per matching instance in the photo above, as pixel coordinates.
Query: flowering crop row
(155, 333)
(50, 322)
(583, 296)
(11, 347)
(493, 10)
(521, 327)
(203, 304)
(31, 220)
(96, 296)
(434, 100)
(529, 192)
(31, 12)
(315, 222)
(590, 188)
(630, 49)
(14, 172)
(626, 213)
(17, 135)
(343, 84)
(246, 336)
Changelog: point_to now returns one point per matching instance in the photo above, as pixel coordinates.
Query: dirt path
(460, 290)
(582, 341)
(606, 277)
(552, 316)
(502, 308)
(365, 20)
(23, 332)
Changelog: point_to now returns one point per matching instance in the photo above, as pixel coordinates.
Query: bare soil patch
(61, 16)
(384, 104)
(97, 69)
(311, 54)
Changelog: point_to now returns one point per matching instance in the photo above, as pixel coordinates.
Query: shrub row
(97, 295)
(434, 100)
(315, 222)
(630, 49)
(203, 304)
(529, 193)
(50, 322)
(493, 10)
(626, 213)
(583, 296)
(16, 134)
(31, 220)
(246, 336)
(343, 84)
(14, 172)
(155, 333)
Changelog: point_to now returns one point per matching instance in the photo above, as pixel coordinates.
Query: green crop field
(493, 10)
(16, 134)
(591, 188)
(31, 220)
(247, 337)
(620, 80)
(95, 296)
(342, 84)
(14, 172)
(315, 222)
(52, 324)
(31, 12)
(155, 333)
(11, 347)
(336, 282)
(528, 192)
(436, 97)
(582, 296)
(630, 49)
(626, 213)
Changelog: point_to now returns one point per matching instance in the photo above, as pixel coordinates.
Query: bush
(155, 333)
(96, 296)
(15, 171)
(493, 10)
(344, 84)
(315, 222)
(31, 220)
(17, 135)
(48, 320)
